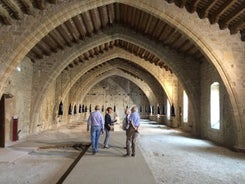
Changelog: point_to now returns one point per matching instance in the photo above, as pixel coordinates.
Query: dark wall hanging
(60, 111)
(70, 110)
(80, 108)
(158, 110)
(172, 110)
(75, 109)
(163, 109)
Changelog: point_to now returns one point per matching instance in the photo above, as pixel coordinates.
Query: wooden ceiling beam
(127, 45)
(41, 4)
(176, 42)
(144, 21)
(117, 12)
(191, 49)
(138, 51)
(182, 3)
(76, 61)
(184, 46)
(167, 36)
(17, 12)
(67, 38)
(103, 16)
(80, 59)
(111, 13)
(222, 9)
(38, 52)
(193, 6)
(32, 56)
(136, 14)
(94, 13)
(204, 12)
(116, 42)
(123, 14)
(106, 46)
(45, 49)
(28, 6)
(53, 1)
(235, 28)
(52, 44)
(148, 23)
(72, 30)
(111, 44)
(91, 53)
(5, 16)
(88, 23)
(101, 47)
(96, 51)
(57, 38)
(80, 26)
(86, 55)
(225, 22)
(134, 17)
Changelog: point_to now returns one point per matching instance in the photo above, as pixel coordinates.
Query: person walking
(96, 122)
(108, 123)
(134, 123)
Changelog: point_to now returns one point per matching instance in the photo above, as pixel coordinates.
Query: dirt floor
(173, 157)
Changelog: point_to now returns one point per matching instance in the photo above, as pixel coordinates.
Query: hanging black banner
(80, 108)
(70, 110)
(75, 109)
(60, 111)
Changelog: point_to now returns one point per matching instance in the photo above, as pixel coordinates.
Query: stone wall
(20, 86)
(225, 135)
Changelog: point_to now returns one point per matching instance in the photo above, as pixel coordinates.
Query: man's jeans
(95, 137)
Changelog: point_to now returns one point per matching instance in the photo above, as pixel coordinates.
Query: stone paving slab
(110, 166)
(10, 155)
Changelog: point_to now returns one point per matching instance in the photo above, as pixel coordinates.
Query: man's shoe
(126, 155)
(133, 155)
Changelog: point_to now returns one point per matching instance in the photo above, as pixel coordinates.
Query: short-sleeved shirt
(135, 118)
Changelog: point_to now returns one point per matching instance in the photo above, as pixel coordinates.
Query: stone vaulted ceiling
(228, 14)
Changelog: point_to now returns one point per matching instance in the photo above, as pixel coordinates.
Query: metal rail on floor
(83, 149)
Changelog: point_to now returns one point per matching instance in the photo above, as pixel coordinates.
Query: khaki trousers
(131, 140)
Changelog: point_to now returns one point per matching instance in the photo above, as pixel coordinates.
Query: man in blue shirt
(134, 123)
(96, 122)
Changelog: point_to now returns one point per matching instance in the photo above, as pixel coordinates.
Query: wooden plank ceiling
(229, 14)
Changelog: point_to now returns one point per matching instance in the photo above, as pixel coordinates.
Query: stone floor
(164, 155)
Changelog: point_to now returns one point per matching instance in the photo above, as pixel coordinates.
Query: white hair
(134, 108)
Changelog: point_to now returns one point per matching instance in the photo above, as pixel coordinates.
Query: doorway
(2, 121)
(2, 118)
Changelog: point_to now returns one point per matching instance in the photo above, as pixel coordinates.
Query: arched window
(185, 107)
(215, 106)
(168, 109)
